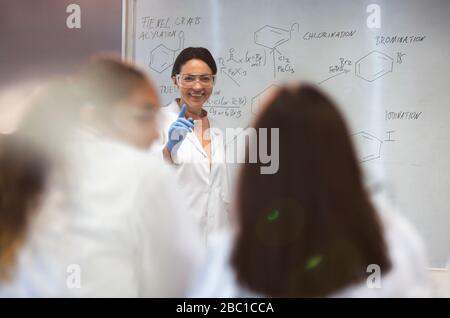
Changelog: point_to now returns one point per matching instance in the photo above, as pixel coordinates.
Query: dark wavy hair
(310, 229)
(190, 53)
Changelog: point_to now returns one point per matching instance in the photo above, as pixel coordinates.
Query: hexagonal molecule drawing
(271, 37)
(373, 66)
(259, 99)
(368, 147)
(162, 57)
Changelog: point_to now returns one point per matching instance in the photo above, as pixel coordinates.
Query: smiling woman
(190, 143)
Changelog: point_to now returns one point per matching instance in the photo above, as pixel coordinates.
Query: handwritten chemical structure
(368, 146)
(218, 105)
(370, 67)
(271, 38)
(162, 57)
(231, 112)
(373, 66)
(236, 65)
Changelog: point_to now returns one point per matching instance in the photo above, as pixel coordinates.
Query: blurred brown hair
(23, 174)
(310, 229)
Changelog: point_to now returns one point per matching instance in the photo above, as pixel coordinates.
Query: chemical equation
(226, 112)
(235, 65)
(222, 101)
(369, 68)
(337, 69)
(219, 105)
(340, 66)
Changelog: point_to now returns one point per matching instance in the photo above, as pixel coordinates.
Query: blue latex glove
(179, 129)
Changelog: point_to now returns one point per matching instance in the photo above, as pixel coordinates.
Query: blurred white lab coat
(207, 190)
(114, 228)
(407, 278)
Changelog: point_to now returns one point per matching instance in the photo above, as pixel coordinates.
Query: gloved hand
(179, 129)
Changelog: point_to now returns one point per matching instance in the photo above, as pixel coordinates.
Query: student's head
(187, 71)
(309, 229)
(120, 101)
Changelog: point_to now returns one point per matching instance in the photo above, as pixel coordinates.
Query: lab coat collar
(174, 108)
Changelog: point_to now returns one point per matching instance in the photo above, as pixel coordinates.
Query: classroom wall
(440, 282)
(35, 40)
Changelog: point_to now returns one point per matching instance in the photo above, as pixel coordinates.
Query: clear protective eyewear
(189, 80)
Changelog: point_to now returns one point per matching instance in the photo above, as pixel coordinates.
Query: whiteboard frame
(128, 29)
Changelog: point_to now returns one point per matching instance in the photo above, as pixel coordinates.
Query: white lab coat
(207, 190)
(114, 228)
(407, 278)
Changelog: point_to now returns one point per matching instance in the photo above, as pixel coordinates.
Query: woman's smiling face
(196, 95)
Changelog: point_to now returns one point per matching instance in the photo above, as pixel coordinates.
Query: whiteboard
(390, 77)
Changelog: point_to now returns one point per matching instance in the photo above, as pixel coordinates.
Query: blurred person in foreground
(32, 240)
(143, 243)
(311, 229)
(107, 223)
